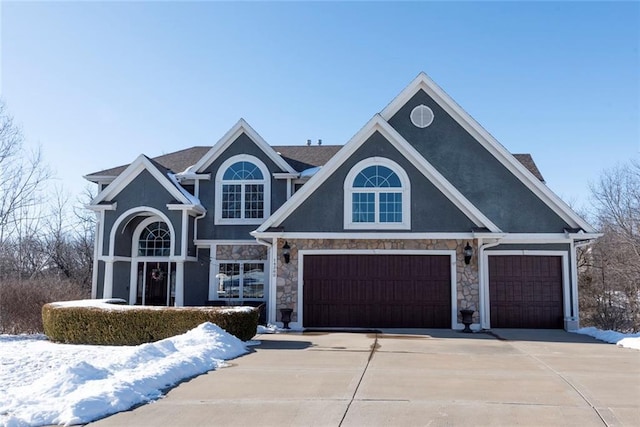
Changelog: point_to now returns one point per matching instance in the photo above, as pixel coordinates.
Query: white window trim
(405, 191)
(266, 182)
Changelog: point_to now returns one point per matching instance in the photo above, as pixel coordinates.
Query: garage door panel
(377, 291)
(526, 291)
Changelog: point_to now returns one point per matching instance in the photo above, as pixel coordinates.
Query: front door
(155, 281)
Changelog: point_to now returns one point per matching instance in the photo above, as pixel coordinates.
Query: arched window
(377, 195)
(242, 191)
(155, 240)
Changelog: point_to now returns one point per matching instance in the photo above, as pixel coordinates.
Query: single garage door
(377, 291)
(526, 291)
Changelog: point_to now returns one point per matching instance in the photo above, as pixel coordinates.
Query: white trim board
(424, 82)
(228, 138)
(131, 172)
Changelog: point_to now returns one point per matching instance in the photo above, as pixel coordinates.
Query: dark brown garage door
(377, 291)
(526, 291)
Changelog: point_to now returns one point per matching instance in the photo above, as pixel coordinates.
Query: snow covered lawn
(45, 383)
(613, 337)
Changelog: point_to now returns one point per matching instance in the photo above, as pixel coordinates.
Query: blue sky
(98, 83)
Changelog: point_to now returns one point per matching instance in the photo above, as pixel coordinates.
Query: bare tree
(610, 268)
(21, 176)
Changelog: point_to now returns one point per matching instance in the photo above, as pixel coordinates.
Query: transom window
(376, 195)
(155, 240)
(241, 280)
(242, 186)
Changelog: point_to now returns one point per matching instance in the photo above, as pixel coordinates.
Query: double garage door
(414, 291)
(377, 291)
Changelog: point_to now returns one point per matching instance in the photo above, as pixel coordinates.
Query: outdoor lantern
(286, 252)
(468, 253)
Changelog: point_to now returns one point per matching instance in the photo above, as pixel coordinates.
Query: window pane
(155, 240)
(231, 201)
(376, 176)
(253, 280)
(390, 207)
(231, 281)
(242, 171)
(254, 201)
(363, 207)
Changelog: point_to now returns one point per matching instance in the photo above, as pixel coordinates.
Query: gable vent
(421, 116)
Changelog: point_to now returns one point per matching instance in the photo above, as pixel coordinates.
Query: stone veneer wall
(466, 275)
(241, 252)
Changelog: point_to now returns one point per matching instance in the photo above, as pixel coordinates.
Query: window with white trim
(155, 240)
(242, 191)
(377, 195)
(241, 280)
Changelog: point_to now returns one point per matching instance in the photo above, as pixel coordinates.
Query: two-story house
(421, 214)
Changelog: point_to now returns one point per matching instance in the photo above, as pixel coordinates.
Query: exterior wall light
(468, 253)
(286, 252)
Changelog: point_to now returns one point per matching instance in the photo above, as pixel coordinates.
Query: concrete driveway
(409, 378)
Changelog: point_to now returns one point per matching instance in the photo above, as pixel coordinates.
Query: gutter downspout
(483, 278)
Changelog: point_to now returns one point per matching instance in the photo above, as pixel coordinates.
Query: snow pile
(613, 337)
(45, 383)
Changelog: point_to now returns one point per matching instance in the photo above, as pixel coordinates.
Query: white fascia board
(194, 176)
(198, 209)
(100, 179)
(436, 178)
(232, 134)
(364, 235)
(130, 173)
(422, 81)
(285, 175)
(98, 208)
(378, 124)
(206, 242)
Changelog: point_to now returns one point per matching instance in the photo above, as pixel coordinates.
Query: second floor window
(377, 196)
(243, 191)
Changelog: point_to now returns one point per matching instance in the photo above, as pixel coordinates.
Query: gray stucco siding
(121, 277)
(143, 190)
(196, 280)
(100, 284)
(206, 227)
(431, 211)
(475, 172)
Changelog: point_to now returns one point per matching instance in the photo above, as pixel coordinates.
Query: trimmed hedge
(134, 325)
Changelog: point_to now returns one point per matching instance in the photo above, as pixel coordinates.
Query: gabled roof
(238, 129)
(423, 82)
(159, 172)
(378, 124)
(176, 162)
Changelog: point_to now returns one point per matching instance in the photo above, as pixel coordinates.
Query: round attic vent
(421, 116)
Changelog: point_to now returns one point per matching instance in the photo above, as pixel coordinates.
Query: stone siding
(466, 275)
(241, 252)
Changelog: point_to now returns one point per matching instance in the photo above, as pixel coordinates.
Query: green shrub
(134, 325)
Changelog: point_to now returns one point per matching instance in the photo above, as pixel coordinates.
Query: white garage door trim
(301, 254)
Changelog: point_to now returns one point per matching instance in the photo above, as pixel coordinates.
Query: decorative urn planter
(467, 319)
(285, 317)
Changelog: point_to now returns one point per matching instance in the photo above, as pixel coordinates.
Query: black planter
(467, 319)
(285, 317)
